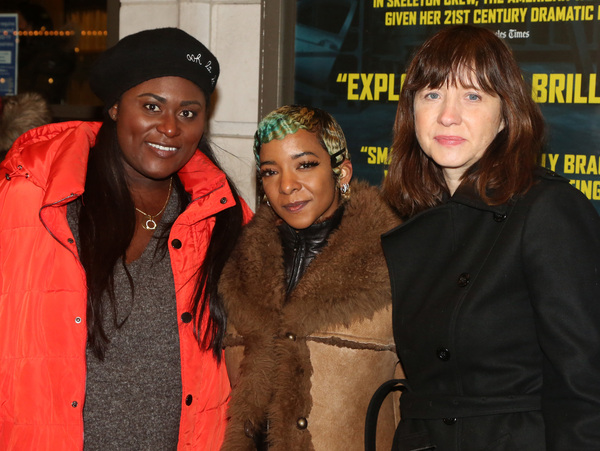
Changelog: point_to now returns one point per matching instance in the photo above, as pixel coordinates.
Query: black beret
(162, 52)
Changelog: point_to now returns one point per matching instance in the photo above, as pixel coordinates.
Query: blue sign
(9, 53)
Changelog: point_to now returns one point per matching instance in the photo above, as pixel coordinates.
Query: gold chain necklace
(150, 223)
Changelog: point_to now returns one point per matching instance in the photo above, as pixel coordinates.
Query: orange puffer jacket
(43, 295)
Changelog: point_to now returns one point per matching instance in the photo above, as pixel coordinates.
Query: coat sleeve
(561, 256)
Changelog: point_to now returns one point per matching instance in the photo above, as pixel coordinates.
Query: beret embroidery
(148, 54)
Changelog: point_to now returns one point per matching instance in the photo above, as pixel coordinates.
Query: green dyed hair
(288, 119)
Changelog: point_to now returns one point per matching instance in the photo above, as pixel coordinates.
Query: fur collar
(345, 282)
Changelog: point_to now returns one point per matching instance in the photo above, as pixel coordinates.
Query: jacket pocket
(504, 443)
(416, 441)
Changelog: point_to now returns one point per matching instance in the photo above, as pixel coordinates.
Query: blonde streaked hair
(288, 119)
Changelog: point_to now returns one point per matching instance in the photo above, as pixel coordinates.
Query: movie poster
(351, 56)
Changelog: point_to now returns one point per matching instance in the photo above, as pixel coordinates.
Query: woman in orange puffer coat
(112, 237)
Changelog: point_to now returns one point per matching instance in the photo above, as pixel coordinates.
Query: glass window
(58, 40)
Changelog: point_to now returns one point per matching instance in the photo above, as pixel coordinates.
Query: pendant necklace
(150, 223)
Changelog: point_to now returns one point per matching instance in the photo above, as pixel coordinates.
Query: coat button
(176, 244)
(223, 200)
(302, 423)
(443, 354)
(499, 217)
(290, 336)
(77, 320)
(70, 240)
(464, 279)
(188, 400)
(186, 317)
(74, 404)
(249, 429)
(449, 421)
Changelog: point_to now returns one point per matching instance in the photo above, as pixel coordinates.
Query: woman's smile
(162, 148)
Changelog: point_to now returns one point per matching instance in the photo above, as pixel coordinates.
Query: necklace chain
(150, 223)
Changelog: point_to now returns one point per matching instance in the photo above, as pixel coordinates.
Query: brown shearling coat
(319, 356)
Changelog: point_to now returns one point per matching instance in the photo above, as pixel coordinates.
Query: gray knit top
(133, 397)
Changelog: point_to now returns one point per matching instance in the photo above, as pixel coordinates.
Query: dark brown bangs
(461, 57)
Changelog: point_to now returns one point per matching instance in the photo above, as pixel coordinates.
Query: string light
(58, 33)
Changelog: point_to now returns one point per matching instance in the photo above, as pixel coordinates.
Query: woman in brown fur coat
(308, 296)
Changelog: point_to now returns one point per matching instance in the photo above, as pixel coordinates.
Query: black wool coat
(496, 314)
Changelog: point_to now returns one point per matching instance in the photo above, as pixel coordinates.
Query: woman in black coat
(496, 271)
